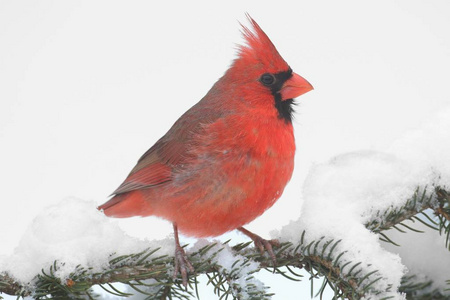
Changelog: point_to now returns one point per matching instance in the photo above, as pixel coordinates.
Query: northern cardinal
(227, 159)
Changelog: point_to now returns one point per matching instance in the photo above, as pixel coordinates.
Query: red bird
(227, 159)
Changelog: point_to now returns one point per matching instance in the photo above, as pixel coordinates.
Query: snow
(346, 192)
(428, 147)
(232, 264)
(75, 233)
(427, 260)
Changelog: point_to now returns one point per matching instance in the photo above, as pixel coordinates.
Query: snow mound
(74, 233)
(428, 147)
(423, 263)
(343, 194)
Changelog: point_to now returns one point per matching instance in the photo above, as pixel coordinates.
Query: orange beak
(294, 87)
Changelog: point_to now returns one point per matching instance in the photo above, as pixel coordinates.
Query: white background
(87, 87)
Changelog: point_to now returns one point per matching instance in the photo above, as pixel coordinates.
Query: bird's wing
(156, 166)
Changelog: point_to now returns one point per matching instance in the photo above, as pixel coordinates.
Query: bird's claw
(182, 265)
(262, 244)
(266, 245)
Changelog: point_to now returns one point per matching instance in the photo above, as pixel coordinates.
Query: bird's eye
(267, 79)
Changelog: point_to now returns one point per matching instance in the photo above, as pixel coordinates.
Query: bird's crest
(258, 49)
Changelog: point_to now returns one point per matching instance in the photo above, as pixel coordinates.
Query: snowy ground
(85, 91)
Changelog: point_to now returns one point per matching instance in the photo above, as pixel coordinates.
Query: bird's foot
(262, 244)
(182, 265)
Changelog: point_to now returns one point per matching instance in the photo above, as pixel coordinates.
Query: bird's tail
(126, 205)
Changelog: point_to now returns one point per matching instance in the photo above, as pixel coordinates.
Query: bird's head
(263, 75)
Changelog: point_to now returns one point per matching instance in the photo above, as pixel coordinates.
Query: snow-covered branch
(230, 269)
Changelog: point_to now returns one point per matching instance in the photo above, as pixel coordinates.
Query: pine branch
(11, 287)
(151, 275)
(421, 201)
